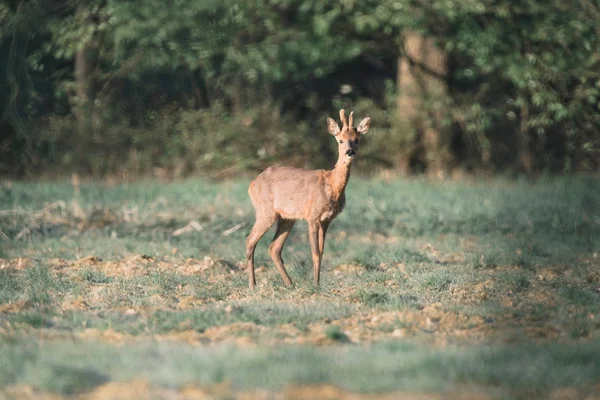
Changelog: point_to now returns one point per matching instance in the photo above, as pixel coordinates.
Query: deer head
(348, 137)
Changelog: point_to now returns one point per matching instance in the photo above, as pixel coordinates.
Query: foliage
(533, 67)
(522, 79)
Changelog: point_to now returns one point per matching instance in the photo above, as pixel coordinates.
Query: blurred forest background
(130, 88)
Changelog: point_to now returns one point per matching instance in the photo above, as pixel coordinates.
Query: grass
(92, 276)
(72, 368)
(10, 286)
(581, 297)
(425, 286)
(167, 321)
(336, 334)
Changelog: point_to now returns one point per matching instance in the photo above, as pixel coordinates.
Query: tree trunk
(237, 95)
(199, 89)
(524, 143)
(407, 114)
(422, 93)
(83, 76)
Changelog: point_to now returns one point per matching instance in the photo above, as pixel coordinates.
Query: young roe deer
(286, 194)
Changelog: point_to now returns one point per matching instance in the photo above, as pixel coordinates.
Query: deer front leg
(322, 233)
(313, 234)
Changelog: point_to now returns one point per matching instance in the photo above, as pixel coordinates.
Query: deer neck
(339, 177)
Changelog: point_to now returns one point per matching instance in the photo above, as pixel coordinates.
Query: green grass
(35, 319)
(424, 286)
(581, 297)
(10, 286)
(372, 297)
(164, 321)
(336, 334)
(92, 276)
(518, 371)
(554, 219)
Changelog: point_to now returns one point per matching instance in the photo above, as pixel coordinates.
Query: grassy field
(478, 290)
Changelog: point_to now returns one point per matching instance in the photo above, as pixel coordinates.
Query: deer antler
(351, 119)
(343, 118)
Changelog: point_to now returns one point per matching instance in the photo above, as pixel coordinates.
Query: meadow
(481, 290)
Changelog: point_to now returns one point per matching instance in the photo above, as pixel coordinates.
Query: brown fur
(285, 194)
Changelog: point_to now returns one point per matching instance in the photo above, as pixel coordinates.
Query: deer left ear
(364, 126)
(333, 127)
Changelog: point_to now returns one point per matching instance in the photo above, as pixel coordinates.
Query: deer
(286, 194)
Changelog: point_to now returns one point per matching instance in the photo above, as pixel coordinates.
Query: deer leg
(284, 227)
(313, 236)
(261, 226)
(322, 233)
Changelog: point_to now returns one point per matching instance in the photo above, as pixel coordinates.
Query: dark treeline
(136, 87)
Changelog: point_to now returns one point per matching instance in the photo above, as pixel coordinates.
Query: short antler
(351, 119)
(343, 118)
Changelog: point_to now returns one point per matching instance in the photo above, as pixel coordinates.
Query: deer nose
(350, 153)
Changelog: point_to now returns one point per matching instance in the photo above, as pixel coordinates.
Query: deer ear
(364, 125)
(333, 127)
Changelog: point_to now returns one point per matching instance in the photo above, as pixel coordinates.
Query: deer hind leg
(313, 235)
(261, 226)
(284, 227)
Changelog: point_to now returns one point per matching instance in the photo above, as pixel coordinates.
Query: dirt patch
(189, 336)
(17, 264)
(140, 389)
(349, 269)
(136, 265)
(208, 265)
(432, 324)
(241, 333)
(72, 302)
(332, 392)
(472, 293)
(26, 392)
(107, 335)
(15, 307)
(126, 268)
(548, 274)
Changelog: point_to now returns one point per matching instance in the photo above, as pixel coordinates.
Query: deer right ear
(364, 125)
(333, 127)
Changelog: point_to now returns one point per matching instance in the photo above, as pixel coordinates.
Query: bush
(180, 143)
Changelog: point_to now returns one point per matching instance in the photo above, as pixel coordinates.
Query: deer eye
(356, 141)
(341, 141)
